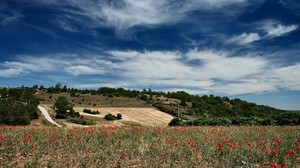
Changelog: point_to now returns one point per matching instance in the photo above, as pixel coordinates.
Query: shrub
(111, 117)
(119, 116)
(175, 122)
(80, 120)
(90, 111)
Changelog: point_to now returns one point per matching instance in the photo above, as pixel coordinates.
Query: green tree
(62, 107)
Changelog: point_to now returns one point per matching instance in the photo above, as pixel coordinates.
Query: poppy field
(245, 146)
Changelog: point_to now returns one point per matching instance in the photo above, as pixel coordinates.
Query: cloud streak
(125, 14)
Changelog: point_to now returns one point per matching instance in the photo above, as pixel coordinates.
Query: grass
(93, 101)
(131, 123)
(150, 147)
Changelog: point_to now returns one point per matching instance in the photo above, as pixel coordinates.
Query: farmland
(113, 146)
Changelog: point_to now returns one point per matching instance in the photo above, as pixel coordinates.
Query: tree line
(18, 106)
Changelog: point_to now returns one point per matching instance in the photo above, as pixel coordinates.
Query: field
(150, 146)
(88, 100)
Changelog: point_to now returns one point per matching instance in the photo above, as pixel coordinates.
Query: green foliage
(89, 111)
(209, 122)
(144, 97)
(112, 117)
(80, 120)
(175, 122)
(288, 118)
(119, 116)
(18, 106)
(62, 107)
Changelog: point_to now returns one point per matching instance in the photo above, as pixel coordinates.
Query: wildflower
(2, 138)
(227, 140)
(88, 151)
(196, 154)
(273, 165)
(249, 144)
(282, 165)
(297, 148)
(124, 154)
(229, 145)
(290, 153)
(220, 146)
(275, 140)
(274, 151)
(190, 141)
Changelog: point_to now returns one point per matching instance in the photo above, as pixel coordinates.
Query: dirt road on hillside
(47, 116)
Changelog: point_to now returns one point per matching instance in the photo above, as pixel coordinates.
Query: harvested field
(143, 116)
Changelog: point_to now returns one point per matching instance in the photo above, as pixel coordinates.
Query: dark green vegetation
(18, 106)
(64, 110)
(89, 111)
(113, 117)
(188, 109)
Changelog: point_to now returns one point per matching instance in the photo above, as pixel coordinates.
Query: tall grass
(150, 147)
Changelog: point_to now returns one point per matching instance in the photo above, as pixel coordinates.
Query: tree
(62, 107)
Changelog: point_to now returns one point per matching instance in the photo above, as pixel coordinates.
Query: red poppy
(196, 154)
(88, 151)
(297, 148)
(124, 154)
(274, 151)
(273, 165)
(2, 138)
(220, 146)
(290, 153)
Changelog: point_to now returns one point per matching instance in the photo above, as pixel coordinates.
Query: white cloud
(245, 38)
(10, 72)
(56, 63)
(124, 14)
(83, 70)
(196, 71)
(275, 29)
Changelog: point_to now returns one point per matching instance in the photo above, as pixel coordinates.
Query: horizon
(246, 49)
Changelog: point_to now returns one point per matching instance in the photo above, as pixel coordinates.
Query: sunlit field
(150, 147)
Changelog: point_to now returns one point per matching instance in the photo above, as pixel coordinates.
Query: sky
(247, 49)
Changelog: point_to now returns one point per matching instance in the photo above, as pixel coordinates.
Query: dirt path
(47, 116)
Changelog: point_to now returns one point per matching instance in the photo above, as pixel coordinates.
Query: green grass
(149, 146)
(131, 123)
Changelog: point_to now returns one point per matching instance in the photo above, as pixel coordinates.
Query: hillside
(145, 108)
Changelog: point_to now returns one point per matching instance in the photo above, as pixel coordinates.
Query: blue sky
(248, 49)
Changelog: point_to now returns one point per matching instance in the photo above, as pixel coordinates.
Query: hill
(185, 108)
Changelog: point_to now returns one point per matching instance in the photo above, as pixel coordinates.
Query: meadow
(124, 146)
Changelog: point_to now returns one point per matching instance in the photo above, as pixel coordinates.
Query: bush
(175, 122)
(80, 120)
(111, 117)
(89, 111)
(119, 116)
(288, 118)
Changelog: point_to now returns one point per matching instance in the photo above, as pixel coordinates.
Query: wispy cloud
(11, 18)
(270, 29)
(245, 38)
(55, 63)
(275, 29)
(124, 14)
(203, 71)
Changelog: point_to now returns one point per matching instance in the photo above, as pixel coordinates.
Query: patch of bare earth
(143, 116)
